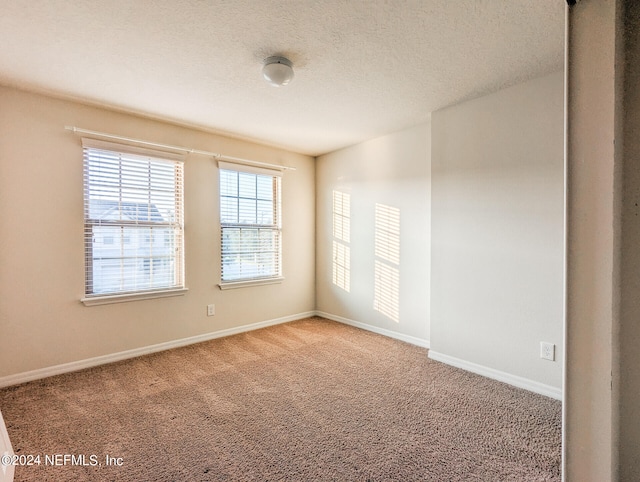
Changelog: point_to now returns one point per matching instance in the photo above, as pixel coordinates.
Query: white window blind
(250, 223)
(133, 219)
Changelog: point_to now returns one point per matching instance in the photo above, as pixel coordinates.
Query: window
(133, 221)
(250, 225)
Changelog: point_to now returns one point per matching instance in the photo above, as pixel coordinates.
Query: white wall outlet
(547, 351)
(211, 310)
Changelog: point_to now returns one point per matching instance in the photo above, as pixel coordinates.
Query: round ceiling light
(277, 71)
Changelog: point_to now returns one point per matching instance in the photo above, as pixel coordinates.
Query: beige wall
(592, 242)
(41, 248)
(497, 231)
(394, 171)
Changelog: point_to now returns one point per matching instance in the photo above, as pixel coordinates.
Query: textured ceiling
(362, 68)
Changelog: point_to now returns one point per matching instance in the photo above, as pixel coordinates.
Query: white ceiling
(362, 68)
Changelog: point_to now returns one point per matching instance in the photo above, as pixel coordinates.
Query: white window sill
(229, 285)
(144, 295)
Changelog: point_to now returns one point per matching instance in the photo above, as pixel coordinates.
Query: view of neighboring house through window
(133, 220)
(250, 223)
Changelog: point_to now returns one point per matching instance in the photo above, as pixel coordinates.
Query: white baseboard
(514, 380)
(381, 331)
(145, 350)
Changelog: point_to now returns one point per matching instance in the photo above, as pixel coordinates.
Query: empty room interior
(331, 240)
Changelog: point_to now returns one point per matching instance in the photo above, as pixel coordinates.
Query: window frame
(275, 227)
(91, 147)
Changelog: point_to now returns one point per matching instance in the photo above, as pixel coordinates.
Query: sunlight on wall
(342, 238)
(387, 264)
(341, 263)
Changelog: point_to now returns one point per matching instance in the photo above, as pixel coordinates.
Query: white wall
(393, 171)
(497, 231)
(41, 248)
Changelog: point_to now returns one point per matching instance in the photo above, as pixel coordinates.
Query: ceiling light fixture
(277, 71)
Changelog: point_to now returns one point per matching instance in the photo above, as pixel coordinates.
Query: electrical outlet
(547, 351)
(211, 310)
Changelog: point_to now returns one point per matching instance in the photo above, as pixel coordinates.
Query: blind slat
(250, 225)
(133, 222)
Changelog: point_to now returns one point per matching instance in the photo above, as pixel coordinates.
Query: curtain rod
(104, 135)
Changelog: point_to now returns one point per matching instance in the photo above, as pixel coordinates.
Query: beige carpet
(307, 400)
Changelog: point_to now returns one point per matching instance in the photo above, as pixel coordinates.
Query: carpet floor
(302, 401)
